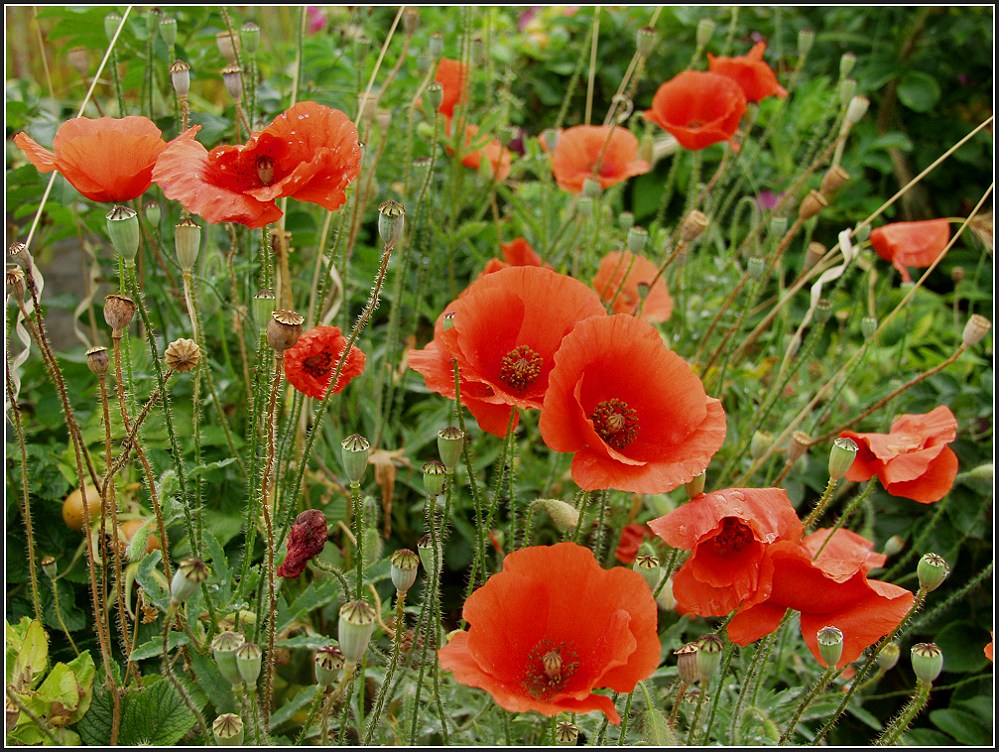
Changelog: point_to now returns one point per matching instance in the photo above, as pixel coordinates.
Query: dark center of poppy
(549, 668)
(520, 367)
(318, 364)
(734, 536)
(695, 123)
(265, 170)
(615, 422)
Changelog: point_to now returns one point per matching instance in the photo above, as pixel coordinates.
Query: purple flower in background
(317, 18)
(767, 200)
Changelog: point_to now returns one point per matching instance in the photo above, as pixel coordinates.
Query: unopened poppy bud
(434, 478)
(182, 355)
(563, 514)
(79, 58)
(111, 23)
(823, 311)
(648, 566)
(232, 77)
(354, 451)
(436, 45)
(248, 662)
(410, 20)
(224, 648)
(228, 730)
(927, 661)
(806, 38)
(14, 281)
(435, 95)
(187, 579)
(975, 330)
(625, 220)
(705, 30)
(119, 311)
(98, 361)
(760, 443)
(813, 203)
(645, 40)
(647, 148)
(841, 457)
(693, 225)
(856, 110)
(123, 229)
(391, 222)
(695, 486)
(637, 238)
(931, 570)
(284, 329)
(814, 253)
(584, 206)
(686, 663)
(49, 566)
(756, 267)
(566, 734)
(404, 565)
(846, 63)
(888, 656)
(357, 623)
(868, 326)
(152, 211)
(168, 30)
(450, 443)
(227, 44)
(187, 242)
(830, 640)
(798, 446)
(328, 662)
(893, 546)
(709, 655)
(847, 90)
(591, 188)
(665, 598)
(180, 77)
(249, 37)
(834, 179)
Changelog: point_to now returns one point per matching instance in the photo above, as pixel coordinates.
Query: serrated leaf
(150, 579)
(27, 644)
(154, 716)
(154, 647)
(318, 594)
(287, 711)
(918, 91)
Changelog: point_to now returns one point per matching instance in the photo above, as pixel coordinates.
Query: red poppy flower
(595, 151)
(728, 533)
(310, 364)
(496, 154)
(619, 279)
(507, 327)
(698, 108)
(633, 411)
(916, 244)
(632, 537)
(755, 77)
(551, 628)
(453, 77)
(989, 648)
(517, 252)
(305, 542)
(913, 459)
(864, 610)
(842, 552)
(105, 159)
(310, 153)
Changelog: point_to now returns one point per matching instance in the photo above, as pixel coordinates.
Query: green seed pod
(357, 623)
(434, 478)
(224, 648)
(709, 655)
(625, 220)
(123, 229)
(757, 266)
(450, 442)
(187, 243)
(830, 640)
(932, 570)
(423, 63)
(187, 579)
(645, 40)
(49, 566)
(927, 661)
(436, 45)
(592, 188)
(806, 38)
(847, 90)
(648, 567)
(695, 486)
(249, 37)
(846, 63)
(637, 238)
(152, 210)
(404, 565)
(868, 326)
(263, 307)
(329, 662)
(686, 663)
(584, 206)
(152, 20)
(228, 730)
(705, 30)
(391, 222)
(841, 457)
(168, 30)
(354, 451)
(856, 110)
(248, 662)
(425, 550)
(111, 23)
(888, 656)
(435, 95)
(823, 311)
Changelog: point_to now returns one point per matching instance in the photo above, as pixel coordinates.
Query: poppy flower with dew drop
(618, 282)
(310, 364)
(551, 628)
(608, 154)
(912, 460)
(453, 78)
(698, 108)
(105, 159)
(309, 153)
(633, 412)
(916, 244)
(843, 552)
(756, 79)
(507, 327)
(305, 542)
(632, 537)
(728, 533)
(863, 610)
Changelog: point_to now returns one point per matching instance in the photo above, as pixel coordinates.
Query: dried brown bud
(813, 203)
(693, 225)
(228, 44)
(284, 329)
(118, 312)
(814, 254)
(305, 541)
(975, 330)
(800, 441)
(98, 361)
(182, 355)
(833, 180)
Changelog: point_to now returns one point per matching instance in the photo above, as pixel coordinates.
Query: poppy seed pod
(391, 222)
(328, 662)
(637, 238)
(834, 179)
(450, 442)
(888, 656)
(756, 268)
(927, 661)
(645, 40)
(434, 478)
(98, 361)
(847, 90)
(800, 441)
(812, 204)
(932, 570)
(79, 58)
(436, 45)
(354, 451)
(187, 579)
(435, 95)
(248, 662)
(814, 253)
(806, 38)
(705, 30)
(566, 734)
(425, 550)
(975, 330)
(232, 77)
(846, 63)
(625, 220)
(249, 38)
(187, 243)
(168, 30)
(49, 566)
(823, 311)
(284, 329)
(686, 663)
(182, 355)
(153, 20)
(180, 77)
(357, 623)
(228, 730)
(227, 44)
(868, 326)
(119, 311)
(111, 23)
(404, 565)
(830, 641)
(410, 20)
(648, 567)
(856, 110)
(584, 206)
(152, 210)
(693, 225)
(709, 655)
(224, 648)
(14, 281)
(841, 458)
(591, 188)
(123, 229)
(263, 306)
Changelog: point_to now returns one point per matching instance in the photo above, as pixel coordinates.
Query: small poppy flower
(507, 327)
(632, 537)
(551, 628)
(608, 154)
(310, 364)
(452, 75)
(620, 280)
(989, 648)
(728, 533)
(518, 252)
(633, 412)
(305, 542)
(757, 79)
(309, 152)
(912, 460)
(105, 159)
(698, 108)
(916, 244)
(492, 150)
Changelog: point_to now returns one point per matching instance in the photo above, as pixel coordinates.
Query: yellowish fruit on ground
(72, 507)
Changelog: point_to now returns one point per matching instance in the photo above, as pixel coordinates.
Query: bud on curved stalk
(709, 655)
(224, 648)
(932, 570)
(123, 229)
(249, 658)
(686, 663)
(228, 730)
(187, 579)
(357, 623)
(329, 662)
(450, 442)
(830, 640)
(354, 451)
(404, 569)
(187, 243)
(434, 478)
(284, 329)
(391, 222)
(927, 661)
(841, 457)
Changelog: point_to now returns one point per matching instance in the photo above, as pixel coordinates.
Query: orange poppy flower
(864, 610)
(105, 159)
(632, 537)
(453, 77)
(584, 151)
(517, 252)
(619, 278)
(507, 327)
(310, 364)
(551, 628)
(496, 154)
(844, 553)
(913, 459)
(755, 77)
(916, 244)
(698, 108)
(310, 153)
(728, 533)
(633, 412)
(989, 648)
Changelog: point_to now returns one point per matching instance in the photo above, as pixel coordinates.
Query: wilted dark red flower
(698, 108)
(755, 77)
(728, 533)
(105, 159)
(608, 154)
(309, 153)
(453, 78)
(632, 537)
(507, 327)
(633, 412)
(551, 628)
(916, 244)
(620, 278)
(305, 542)
(310, 364)
(913, 459)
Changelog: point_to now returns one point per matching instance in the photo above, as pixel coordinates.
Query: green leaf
(27, 651)
(961, 653)
(318, 594)
(964, 727)
(918, 91)
(154, 716)
(287, 711)
(155, 590)
(154, 647)
(305, 641)
(221, 573)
